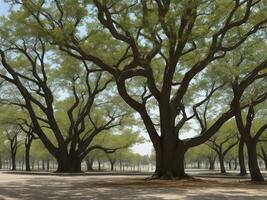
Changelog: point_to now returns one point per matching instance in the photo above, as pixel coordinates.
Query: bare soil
(39, 187)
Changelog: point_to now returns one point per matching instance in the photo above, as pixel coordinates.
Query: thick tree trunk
(241, 158)
(170, 160)
(27, 158)
(222, 167)
(254, 169)
(69, 164)
(13, 159)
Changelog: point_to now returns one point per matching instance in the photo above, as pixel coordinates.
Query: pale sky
(3, 8)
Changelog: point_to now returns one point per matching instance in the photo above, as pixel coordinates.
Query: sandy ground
(39, 187)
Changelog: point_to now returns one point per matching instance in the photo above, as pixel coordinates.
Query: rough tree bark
(69, 164)
(170, 160)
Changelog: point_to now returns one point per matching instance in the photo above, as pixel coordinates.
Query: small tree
(250, 133)
(223, 142)
(12, 134)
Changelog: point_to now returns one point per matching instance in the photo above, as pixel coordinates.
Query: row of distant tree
(14, 148)
(226, 148)
(21, 146)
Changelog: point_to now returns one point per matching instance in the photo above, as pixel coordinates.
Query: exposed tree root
(170, 176)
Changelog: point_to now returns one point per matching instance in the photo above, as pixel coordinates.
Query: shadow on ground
(133, 188)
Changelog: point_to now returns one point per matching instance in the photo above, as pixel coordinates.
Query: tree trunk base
(69, 167)
(170, 176)
(259, 179)
(242, 174)
(68, 171)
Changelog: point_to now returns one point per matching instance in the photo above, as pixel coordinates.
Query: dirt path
(36, 187)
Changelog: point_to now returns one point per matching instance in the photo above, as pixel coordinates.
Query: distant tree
(116, 144)
(232, 157)
(145, 161)
(1, 149)
(200, 154)
(12, 134)
(122, 157)
(100, 157)
(252, 128)
(30, 136)
(262, 149)
(263, 156)
(4, 149)
(223, 142)
(18, 117)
